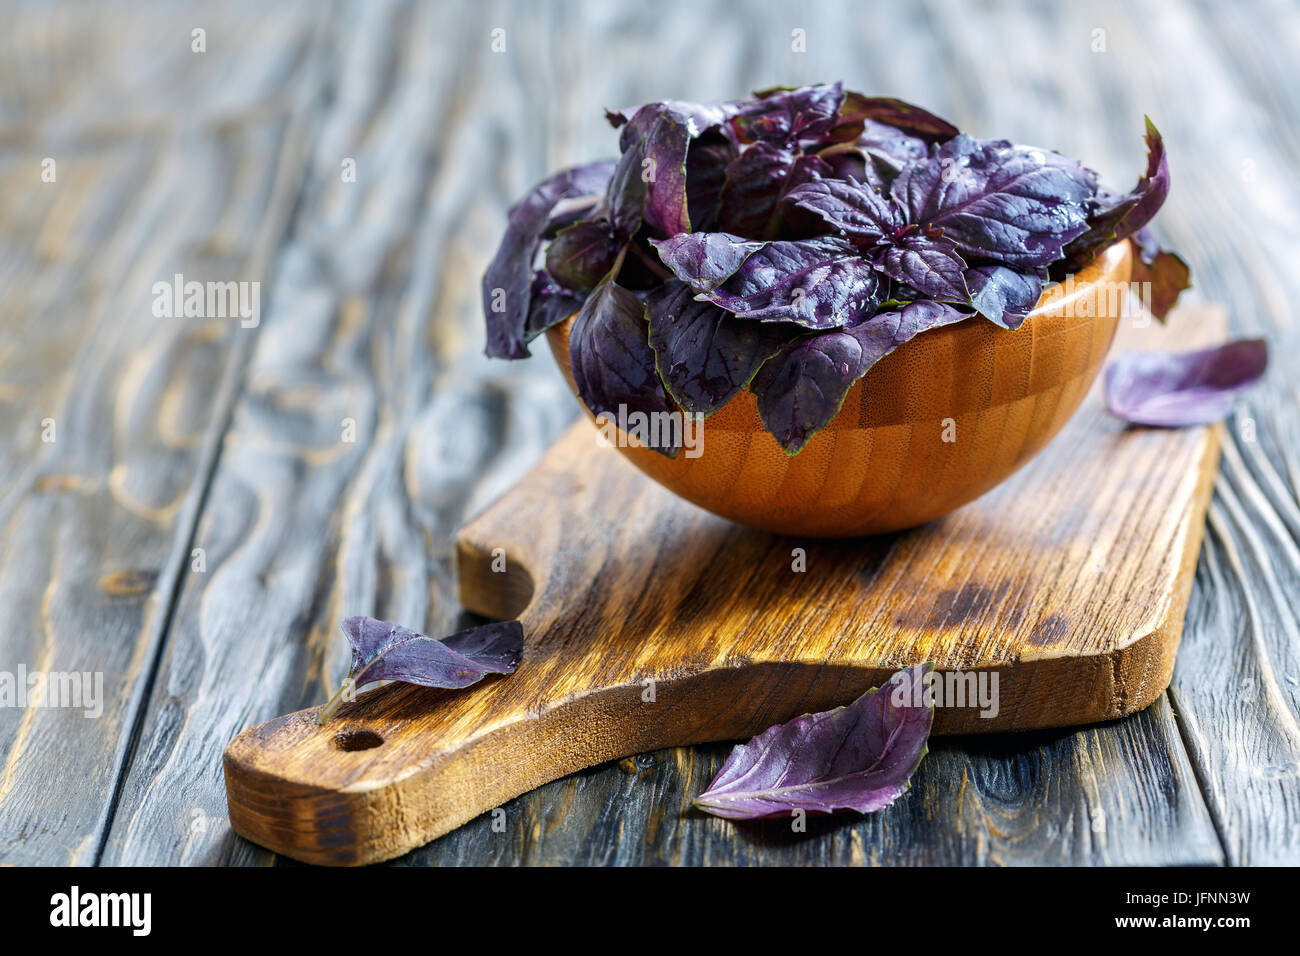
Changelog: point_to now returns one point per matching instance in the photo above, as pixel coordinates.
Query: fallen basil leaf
(801, 389)
(509, 277)
(703, 354)
(1178, 389)
(860, 757)
(382, 650)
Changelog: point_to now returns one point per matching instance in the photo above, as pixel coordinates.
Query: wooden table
(189, 506)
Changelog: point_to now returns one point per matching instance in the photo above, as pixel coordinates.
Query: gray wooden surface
(173, 435)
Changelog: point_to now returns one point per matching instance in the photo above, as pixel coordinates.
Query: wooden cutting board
(650, 623)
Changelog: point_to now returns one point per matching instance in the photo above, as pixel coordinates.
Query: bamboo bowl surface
(883, 463)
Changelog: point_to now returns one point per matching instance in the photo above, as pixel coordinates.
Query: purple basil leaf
(859, 114)
(704, 260)
(1177, 389)
(860, 757)
(1003, 295)
(850, 163)
(649, 183)
(382, 650)
(891, 146)
(699, 117)
(756, 182)
(817, 283)
(706, 174)
(1010, 204)
(609, 352)
(1118, 217)
(877, 156)
(1161, 281)
(801, 389)
(784, 117)
(929, 265)
(509, 277)
(581, 254)
(853, 210)
(550, 304)
(705, 355)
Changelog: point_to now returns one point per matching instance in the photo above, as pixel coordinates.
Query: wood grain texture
(650, 622)
(112, 415)
(364, 430)
(392, 263)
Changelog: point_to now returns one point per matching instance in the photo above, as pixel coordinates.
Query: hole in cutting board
(357, 740)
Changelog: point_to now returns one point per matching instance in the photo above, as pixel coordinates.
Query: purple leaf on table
(1179, 389)
(860, 757)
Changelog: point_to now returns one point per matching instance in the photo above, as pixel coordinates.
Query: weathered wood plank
(366, 429)
(112, 415)
(1236, 688)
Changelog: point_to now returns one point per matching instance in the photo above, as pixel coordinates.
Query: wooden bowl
(931, 426)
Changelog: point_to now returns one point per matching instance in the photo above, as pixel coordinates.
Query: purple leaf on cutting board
(858, 757)
(382, 650)
(1178, 389)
